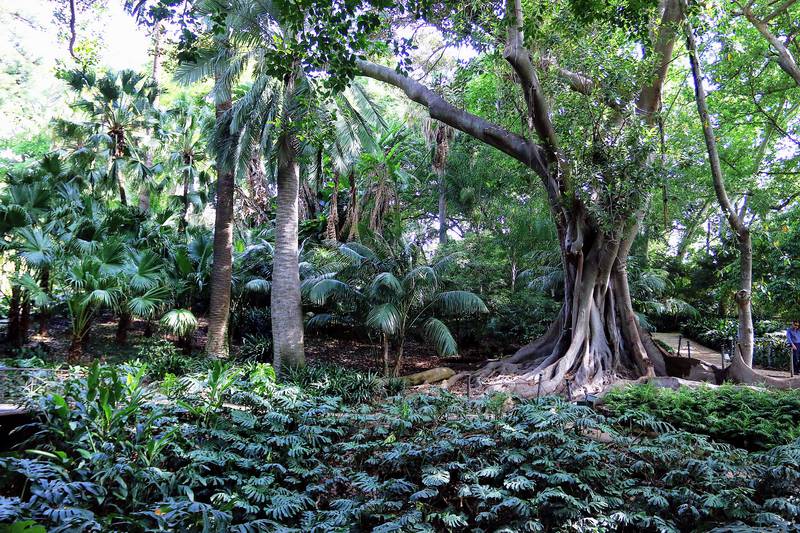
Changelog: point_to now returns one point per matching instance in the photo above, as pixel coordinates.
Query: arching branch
(512, 144)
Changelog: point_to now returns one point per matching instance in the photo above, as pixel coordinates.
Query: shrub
(163, 357)
(256, 348)
(331, 380)
(742, 416)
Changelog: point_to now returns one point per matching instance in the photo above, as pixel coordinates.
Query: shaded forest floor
(351, 353)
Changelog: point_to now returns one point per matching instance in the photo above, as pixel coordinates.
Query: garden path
(704, 353)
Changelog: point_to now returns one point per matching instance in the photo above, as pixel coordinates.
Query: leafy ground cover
(741, 416)
(231, 450)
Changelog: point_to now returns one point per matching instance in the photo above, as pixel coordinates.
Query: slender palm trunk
(287, 318)
(14, 309)
(24, 319)
(385, 346)
(398, 362)
(220, 303)
(442, 210)
(123, 198)
(44, 315)
(182, 223)
(441, 150)
(331, 229)
(353, 211)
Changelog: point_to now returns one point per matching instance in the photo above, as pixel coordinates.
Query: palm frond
(439, 335)
(460, 303)
(258, 285)
(384, 317)
(180, 322)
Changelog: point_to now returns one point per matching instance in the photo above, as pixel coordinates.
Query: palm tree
(399, 293)
(381, 166)
(185, 133)
(268, 116)
(143, 290)
(116, 105)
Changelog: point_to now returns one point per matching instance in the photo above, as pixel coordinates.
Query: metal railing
(767, 350)
(16, 384)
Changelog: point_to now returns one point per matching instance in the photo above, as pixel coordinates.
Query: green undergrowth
(744, 417)
(231, 450)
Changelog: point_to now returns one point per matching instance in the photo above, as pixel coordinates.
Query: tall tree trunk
(353, 214)
(442, 209)
(385, 346)
(221, 269)
(736, 222)
(442, 137)
(144, 188)
(13, 335)
(287, 317)
(123, 198)
(398, 362)
(331, 232)
(73, 35)
(24, 319)
(183, 222)
(157, 30)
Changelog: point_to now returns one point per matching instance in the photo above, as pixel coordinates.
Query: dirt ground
(351, 353)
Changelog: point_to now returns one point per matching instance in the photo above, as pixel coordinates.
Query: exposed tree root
(739, 372)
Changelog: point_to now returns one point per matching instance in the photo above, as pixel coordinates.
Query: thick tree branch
(785, 59)
(578, 82)
(528, 153)
(520, 60)
(72, 34)
(649, 100)
(779, 10)
(708, 132)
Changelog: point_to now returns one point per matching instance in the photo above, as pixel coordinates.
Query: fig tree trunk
(596, 336)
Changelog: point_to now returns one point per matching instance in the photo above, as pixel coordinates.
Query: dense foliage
(744, 417)
(238, 452)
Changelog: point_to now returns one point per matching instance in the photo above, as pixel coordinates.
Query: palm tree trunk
(123, 324)
(385, 342)
(220, 303)
(353, 212)
(182, 223)
(12, 333)
(44, 315)
(398, 363)
(331, 232)
(287, 318)
(442, 210)
(24, 319)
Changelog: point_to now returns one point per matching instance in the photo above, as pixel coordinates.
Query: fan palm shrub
(395, 292)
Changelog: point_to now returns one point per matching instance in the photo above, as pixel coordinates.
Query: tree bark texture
(736, 222)
(221, 269)
(287, 317)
